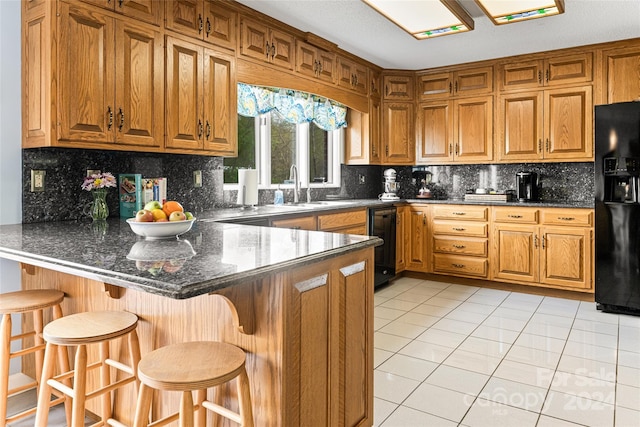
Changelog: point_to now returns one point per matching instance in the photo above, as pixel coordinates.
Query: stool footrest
(28, 350)
(120, 366)
(22, 387)
(110, 387)
(222, 411)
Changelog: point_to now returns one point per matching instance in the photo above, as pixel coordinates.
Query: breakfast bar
(299, 303)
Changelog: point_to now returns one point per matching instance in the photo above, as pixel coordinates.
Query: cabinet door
(568, 116)
(139, 102)
(254, 41)
(351, 75)
(569, 69)
(150, 11)
(474, 81)
(417, 239)
(398, 87)
(282, 45)
(435, 86)
(402, 236)
(619, 65)
(516, 253)
(307, 59)
(86, 75)
(473, 131)
(375, 123)
(521, 75)
(220, 25)
(566, 257)
(185, 17)
(327, 65)
(300, 223)
(220, 103)
(184, 72)
(520, 126)
(435, 132)
(398, 125)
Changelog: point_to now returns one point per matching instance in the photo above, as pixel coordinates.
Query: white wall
(10, 135)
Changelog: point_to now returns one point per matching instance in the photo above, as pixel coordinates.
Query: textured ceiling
(358, 29)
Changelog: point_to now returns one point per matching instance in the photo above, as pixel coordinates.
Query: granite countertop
(209, 257)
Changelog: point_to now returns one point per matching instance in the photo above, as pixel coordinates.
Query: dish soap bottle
(278, 198)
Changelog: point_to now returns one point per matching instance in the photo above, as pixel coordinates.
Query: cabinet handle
(458, 213)
(514, 216)
(457, 147)
(355, 80)
(544, 241)
(455, 88)
(450, 148)
(539, 145)
(199, 128)
(535, 241)
(273, 51)
(566, 218)
(458, 246)
(373, 150)
(208, 130)
(547, 144)
(320, 67)
(540, 77)
(458, 265)
(386, 89)
(457, 229)
(450, 88)
(547, 74)
(424, 219)
(208, 27)
(119, 2)
(200, 23)
(110, 116)
(386, 150)
(121, 114)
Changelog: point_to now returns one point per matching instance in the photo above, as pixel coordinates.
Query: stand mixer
(390, 186)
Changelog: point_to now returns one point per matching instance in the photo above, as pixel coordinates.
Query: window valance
(295, 107)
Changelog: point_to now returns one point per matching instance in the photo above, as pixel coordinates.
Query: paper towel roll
(247, 187)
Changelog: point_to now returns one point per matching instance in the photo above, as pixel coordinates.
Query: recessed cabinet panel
(517, 253)
(220, 113)
(473, 133)
(569, 115)
(150, 11)
(398, 87)
(435, 86)
(566, 257)
(282, 49)
(435, 132)
(619, 64)
(521, 126)
(185, 17)
(399, 130)
(220, 25)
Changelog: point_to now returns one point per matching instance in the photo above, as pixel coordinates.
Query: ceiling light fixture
(425, 19)
(506, 11)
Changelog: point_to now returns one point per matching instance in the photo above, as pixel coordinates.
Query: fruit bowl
(160, 230)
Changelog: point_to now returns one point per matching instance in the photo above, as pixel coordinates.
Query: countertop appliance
(382, 223)
(390, 186)
(617, 207)
(527, 186)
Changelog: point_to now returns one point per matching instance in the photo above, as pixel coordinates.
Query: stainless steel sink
(315, 204)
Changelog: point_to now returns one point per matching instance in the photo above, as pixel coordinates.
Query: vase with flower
(98, 185)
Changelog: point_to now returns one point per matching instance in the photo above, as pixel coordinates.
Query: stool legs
(145, 397)
(244, 399)
(80, 387)
(186, 409)
(5, 350)
(201, 413)
(44, 392)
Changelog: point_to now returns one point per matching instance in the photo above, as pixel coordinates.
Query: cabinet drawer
(460, 228)
(342, 220)
(572, 217)
(301, 223)
(461, 246)
(356, 229)
(519, 216)
(462, 265)
(459, 212)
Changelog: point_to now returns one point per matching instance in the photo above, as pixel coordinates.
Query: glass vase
(99, 210)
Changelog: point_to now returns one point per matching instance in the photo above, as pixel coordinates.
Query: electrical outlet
(37, 180)
(92, 172)
(361, 179)
(197, 179)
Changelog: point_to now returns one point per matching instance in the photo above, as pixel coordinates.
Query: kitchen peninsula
(300, 303)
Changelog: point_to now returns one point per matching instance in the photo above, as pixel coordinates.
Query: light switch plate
(37, 180)
(197, 179)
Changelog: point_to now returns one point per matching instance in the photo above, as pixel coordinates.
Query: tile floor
(454, 355)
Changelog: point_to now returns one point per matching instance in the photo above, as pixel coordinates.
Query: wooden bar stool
(80, 330)
(193, 366)
(24, 302)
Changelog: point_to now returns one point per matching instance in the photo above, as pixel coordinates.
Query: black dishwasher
(382, 223)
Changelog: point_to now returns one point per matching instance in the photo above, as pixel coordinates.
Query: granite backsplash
(63, 199)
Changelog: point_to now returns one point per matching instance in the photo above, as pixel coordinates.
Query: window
(271, 144)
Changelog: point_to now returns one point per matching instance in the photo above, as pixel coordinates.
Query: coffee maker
(527, 186)
(390, 186)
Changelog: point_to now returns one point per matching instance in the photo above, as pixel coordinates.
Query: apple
(189, 215)
(144, 215)
(177, 216)
(162, 220)
(154, 204)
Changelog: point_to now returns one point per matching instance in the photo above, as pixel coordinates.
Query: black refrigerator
(617, 207)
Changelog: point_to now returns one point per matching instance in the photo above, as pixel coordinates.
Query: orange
(158, 214)
(171, 206)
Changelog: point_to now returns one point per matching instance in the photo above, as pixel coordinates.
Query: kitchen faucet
(293, 174)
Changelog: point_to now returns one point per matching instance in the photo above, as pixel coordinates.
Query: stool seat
(26, 301)
(89, 327)
(191, 365)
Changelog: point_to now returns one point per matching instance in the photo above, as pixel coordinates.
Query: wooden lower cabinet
(516, 253)
(402, 234)
(298, 223)
(417, 238)
(566, 257)
(349, 222)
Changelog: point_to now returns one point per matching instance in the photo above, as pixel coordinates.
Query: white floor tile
(628, 358)
(408, 367)
(379, 356)
(379, 322)
(454, 295)
(473, 307)
(589, 351)
(414, 318)
(426, 351)
(628, 397)
(596, 326)
(457, 379)
(551, 319)
(407, 417)
(547, 330)
(587, 368)
(485, 413)
(473, 361)
(392, 388)
(443, 302)
(578, 410)
(379, 299)
(466, 316)
(540, 342)
(524, 373)
(499, 321)
(546, 421)
(381, 410)
(533, 356)
(389, 342)
(487, 299)
(391, 291)
(629, 339)
(626, 417)
(558, 310)
(628, 376)
(588, 311)
(584, 387)
(525, 306)
(411, 296)
(422, 291)
(443, 338)
(469, 290)
(432, 310)
(456, 326)
(594, 338)
(441, 402)
(515, 394)
(485, 347)
(387, 313)
(402, 329)
(633, 321)
(495, 334)
(397, 304)
(512, 313)
(531, 298)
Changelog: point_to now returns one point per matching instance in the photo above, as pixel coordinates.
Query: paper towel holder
(247, 188)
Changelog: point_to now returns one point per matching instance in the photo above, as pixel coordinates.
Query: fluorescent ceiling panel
(425, 18)
(508, 11)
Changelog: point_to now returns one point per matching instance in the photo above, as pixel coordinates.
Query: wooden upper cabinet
(621, 74)
(220, 111)
(204, 20)
(86, 75)
(151, 11)
(261, 42)
(315, 62)
(435, 132)
(560, 70)
(398, 125)
(465, 82)
(375, 83)
(362, 139)
(521, 126)
(568, 117)
(352, 75)
(397, 87)
(473, 129)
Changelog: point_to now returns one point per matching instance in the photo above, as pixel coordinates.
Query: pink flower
(98, 181)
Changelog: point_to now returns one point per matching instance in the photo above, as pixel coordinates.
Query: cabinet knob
(458, 213)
